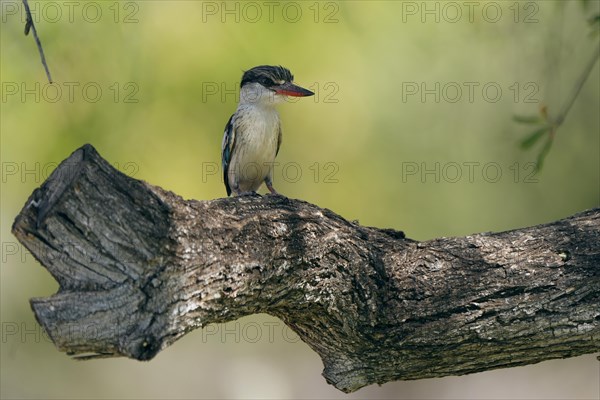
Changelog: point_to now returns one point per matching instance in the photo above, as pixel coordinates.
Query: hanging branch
(29, 25)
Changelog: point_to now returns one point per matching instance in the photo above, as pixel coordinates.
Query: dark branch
(139, 267)
(29, 25)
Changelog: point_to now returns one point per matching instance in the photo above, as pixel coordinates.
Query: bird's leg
(269, 184)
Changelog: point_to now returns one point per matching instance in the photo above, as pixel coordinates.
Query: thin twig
(30, 25)
(559, 119)
(551, 125)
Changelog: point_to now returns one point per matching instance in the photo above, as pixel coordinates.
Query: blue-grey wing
(279, 136)
(227, 151)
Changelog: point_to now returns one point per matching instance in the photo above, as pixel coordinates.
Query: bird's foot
(249, 193)
(272, 191)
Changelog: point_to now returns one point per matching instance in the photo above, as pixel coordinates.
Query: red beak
(289, 89)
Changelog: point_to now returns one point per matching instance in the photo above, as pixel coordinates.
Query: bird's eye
(266, 82)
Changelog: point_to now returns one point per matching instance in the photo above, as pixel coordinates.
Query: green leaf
(534, 137)
(527, 119)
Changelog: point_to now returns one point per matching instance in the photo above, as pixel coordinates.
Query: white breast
(257, 132)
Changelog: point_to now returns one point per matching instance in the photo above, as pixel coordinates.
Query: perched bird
(253, 134)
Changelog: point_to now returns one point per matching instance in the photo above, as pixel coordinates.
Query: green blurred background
(388, 140)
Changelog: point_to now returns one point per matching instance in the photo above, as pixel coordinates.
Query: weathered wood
(139, 267)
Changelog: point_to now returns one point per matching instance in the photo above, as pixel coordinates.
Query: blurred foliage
(545, 125)
(408, 130)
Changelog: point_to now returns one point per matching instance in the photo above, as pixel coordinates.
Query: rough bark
(139, 267)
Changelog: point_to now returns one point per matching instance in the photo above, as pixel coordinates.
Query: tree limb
(139, 267)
